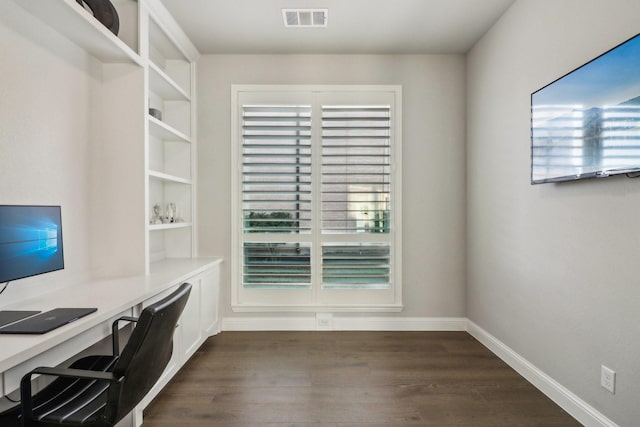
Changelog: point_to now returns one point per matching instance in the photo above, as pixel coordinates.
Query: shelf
(170, 152)
(168, 178)
(172, 226)
(78, 25)
(163, 42)
(165, 86)
(161, 130)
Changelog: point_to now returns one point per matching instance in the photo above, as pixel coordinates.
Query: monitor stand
(10, 316)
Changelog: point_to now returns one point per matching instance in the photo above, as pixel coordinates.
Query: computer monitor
(30, 241)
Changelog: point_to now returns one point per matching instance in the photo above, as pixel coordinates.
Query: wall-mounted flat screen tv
(30, 241)
(586, 124)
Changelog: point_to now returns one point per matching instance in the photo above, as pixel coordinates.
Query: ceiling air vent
(305, 18)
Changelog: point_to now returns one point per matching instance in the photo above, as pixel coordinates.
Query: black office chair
(98, 391)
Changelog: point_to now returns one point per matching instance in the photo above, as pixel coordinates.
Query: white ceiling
(354, 26)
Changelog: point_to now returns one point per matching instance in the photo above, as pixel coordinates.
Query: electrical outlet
(608, 379)
(324, 321)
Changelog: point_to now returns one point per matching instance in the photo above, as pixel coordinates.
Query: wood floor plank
(350, 379)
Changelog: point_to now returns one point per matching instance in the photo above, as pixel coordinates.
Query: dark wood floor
(349, 379)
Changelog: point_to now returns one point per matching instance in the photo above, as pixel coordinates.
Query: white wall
(71, 134)
(45, 91)
(553, 268)
(433, 169)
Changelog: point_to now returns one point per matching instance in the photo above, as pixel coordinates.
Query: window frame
(315, 299)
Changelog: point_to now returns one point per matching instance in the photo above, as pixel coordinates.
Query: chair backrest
(146, 354)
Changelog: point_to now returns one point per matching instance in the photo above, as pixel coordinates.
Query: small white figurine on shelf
(171, 213)
(157, 217)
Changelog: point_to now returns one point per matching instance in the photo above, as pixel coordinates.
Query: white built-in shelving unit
(149, 161)
(171, 139)
(135, 161)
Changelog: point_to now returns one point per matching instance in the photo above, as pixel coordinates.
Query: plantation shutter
(276, 265)
(316, 190)
(276, 169)
(356, 195)
(356, 169)
(276, 194)
(356, 266)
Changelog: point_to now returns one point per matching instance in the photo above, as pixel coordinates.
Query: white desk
(114, 298)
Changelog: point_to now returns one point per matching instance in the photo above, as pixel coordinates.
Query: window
(316, 198)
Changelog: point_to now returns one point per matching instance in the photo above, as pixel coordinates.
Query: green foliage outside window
(269, 222)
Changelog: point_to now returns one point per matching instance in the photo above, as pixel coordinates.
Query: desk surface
(110, 296)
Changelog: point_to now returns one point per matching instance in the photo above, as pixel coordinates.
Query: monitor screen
(587, 123)
(30, 241)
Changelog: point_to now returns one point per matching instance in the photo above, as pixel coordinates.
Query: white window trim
(308, 301)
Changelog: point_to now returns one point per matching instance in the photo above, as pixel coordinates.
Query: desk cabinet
(114, 298)
(192, 335)
(210, 301)
(199, 321)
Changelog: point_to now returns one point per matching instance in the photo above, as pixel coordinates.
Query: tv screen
(587, 123)
(30, 241)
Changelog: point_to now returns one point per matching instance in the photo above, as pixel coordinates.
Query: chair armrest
(25, 382)
(115, 332)
(74, 373)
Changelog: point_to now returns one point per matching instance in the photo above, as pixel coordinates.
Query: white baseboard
(578, 408)
(399, 323)
(268, 323)
(344, 323)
